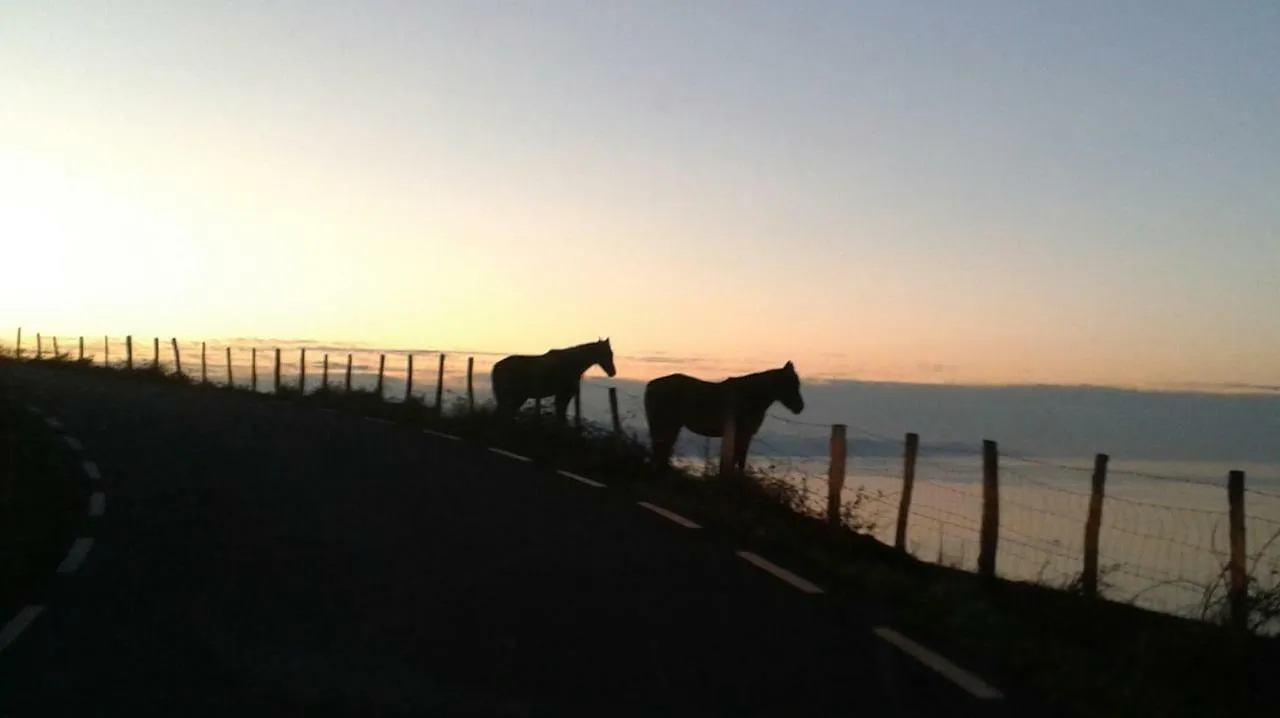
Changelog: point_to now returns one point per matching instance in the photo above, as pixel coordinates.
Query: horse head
(788, 388)
(604, 356)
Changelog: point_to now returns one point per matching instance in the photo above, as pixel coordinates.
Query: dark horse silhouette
(521, 377)
(678, 401)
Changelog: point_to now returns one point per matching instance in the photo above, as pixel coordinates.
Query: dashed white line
(17, 624)
(517, 457)
(582, 479)
(91, 470)
(378, 420)
(780, 572)
(949, 670)
(97, 503)
(670, 515)
(328, 410)
(442, 435)
(74, 443)
(53, 423)
(79, 549)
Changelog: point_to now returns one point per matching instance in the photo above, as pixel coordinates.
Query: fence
(1106, 527)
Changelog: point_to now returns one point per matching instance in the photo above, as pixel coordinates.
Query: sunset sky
(927, 191)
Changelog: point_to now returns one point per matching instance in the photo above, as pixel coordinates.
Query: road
(257, 558)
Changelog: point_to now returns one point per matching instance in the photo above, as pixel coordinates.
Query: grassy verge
(1085, 657)
(40, 504)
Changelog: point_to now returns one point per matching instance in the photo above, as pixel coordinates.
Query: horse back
(689, 401)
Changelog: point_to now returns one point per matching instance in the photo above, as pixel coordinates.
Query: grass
(1089, 657)
(40, 505)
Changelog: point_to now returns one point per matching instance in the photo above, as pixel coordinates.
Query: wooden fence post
(204, 364)
(728, 442)
(177, 356)
(302, 371)
(56, 351)
(39, 346)
(408, 380)
(1093, 526)
(1238, 591)
(275, 382)
(911, 449)
(348, 384)
(440, 387)
(106, 351)
(989, 536)
(81, 348)
(382, 365)
(155, 353)
(324, 374)
(613, 411)
(253, 369)
(18, 347)
(231, 379)
(471, 390)
(835, 474)
(128, 352)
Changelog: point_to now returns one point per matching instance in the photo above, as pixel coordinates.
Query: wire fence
(1163, 540)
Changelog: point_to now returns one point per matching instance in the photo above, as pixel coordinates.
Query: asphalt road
(255, 558)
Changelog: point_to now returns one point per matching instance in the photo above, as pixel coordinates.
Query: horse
(557, 372)
(679, 401)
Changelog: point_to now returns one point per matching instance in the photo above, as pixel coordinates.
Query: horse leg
(562, 408)
(740, 453)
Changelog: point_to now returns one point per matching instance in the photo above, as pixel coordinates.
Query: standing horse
(558, 372)
(679, 401)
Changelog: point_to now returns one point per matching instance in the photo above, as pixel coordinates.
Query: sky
(981, 192)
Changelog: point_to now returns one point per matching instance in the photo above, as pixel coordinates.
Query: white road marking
(76, 555)
(949, 670)
(33, 409)
(74, 443)
(508, 453)
(583, 479)
(670, 515)
(17, 624)
(378, 419)
(442, 435)
(97, 503)
(328, 410)
(53, 423)
(91, 469)
(780, 572)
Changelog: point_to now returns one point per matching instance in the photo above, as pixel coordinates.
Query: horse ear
(790, 366)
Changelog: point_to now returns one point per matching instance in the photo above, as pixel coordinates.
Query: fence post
(106, 351)
(835, 474)
(324, 374)
(348, 384)
(577, 406)
(253, 369)
(81, 348)
(177, 357)
(440, 387)
(1238, 591)
(39, 346)
(613, 411)
(382, 365)
(728, 442)
(471, 391)
(204, 364)
(18, 347)
(155, 353)
(989, 536)
(408, 380)
(275, 382)
(231, 379)
(1093, 526)
(128, 352)
(302, 371)
(56, 351)
(910, 450)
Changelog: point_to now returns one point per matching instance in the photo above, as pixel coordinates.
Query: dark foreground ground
(257, 558)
